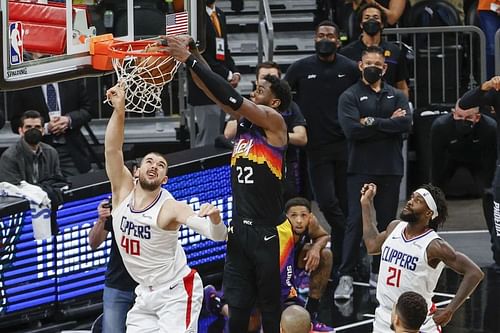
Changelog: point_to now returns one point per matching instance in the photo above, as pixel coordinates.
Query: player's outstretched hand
(116, 95)
(178, 46)
(211, 211)
(368, 192)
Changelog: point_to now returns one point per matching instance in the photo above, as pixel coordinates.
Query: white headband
(429, 200)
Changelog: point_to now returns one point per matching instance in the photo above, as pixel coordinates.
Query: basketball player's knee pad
(220, 88)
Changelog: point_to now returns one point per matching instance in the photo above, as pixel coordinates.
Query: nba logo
(16, 42)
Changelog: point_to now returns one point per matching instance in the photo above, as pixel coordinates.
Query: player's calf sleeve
(220, 88)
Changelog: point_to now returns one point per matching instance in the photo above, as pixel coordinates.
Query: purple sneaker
(212, 300)
(320, 327)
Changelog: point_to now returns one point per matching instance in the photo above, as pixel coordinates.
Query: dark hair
(31, 114)
(281, 90)
(267, 64)
(373, 49)
(297, 201)
(442, 207)
(327, 23)
(361, 11)
(412, 310)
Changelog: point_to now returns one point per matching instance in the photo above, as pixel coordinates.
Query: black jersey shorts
(259, 264)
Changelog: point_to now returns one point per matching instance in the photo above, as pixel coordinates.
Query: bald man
(295, 319)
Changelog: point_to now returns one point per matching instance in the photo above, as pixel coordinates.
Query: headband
(429, 200)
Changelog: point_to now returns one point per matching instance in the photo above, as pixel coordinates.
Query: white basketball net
(143, 79)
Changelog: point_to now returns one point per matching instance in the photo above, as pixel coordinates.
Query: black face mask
(209, 2)
(464, 127)
(372, 27)
(325, 47)
(372, 74)
(33, 136)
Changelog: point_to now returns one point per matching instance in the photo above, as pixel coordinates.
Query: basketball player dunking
(413, 256)
(259, 261)
(146, 220)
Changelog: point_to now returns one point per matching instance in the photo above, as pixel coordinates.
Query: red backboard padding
(37, 13)
(44, 26)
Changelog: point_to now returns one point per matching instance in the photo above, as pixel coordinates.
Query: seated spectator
(372, 20)
(346, 12)
(409, 313)
(65, 107)
(311, 254)
(29, 159)
(35, 162)
(295, 319)
(392, 9)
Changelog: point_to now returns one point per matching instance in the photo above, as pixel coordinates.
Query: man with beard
(146, 221)
(413, 256)
(259, 260)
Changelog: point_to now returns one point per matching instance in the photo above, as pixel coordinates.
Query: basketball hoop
(143, 67)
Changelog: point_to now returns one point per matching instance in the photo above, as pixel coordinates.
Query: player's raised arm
(371, 236)
(223, 94)
(207, 221)
(120, 178)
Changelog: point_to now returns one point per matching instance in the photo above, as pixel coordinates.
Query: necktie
(51, 97)
(216, 23)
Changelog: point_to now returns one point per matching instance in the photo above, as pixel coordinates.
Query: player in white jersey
(413, 256)
(146, 220)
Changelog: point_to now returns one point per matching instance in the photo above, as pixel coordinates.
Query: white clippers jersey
(151, 255)
(404, 267)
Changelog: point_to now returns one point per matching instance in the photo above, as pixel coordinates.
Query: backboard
(48, 40)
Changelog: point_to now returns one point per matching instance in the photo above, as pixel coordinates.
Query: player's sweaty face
(152, 172)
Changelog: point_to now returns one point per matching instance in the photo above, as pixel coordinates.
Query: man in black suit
(209, 117)
(65, 108)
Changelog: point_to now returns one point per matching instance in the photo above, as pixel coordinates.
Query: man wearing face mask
(372, 21)
(374, 117)
(318, 81)
(29, 159)
(465, 138)
(488, 94)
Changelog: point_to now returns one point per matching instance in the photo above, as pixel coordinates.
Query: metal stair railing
(265, 32)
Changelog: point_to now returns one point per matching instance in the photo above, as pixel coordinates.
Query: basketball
(156, 70)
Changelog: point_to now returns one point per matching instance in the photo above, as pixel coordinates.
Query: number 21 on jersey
(131, 246)
(394, 277)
